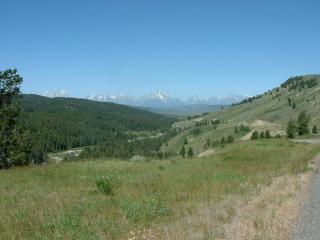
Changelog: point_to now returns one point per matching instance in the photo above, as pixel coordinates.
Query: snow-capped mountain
(158, 99)
(55, 93)
(227, 100)
(196, 100)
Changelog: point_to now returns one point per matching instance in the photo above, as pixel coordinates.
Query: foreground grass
(62, 201)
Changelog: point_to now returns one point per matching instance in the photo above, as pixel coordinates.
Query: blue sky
(204, 47)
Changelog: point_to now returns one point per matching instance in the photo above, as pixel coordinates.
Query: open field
(178, 199)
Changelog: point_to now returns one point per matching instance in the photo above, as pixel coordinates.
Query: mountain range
(156, 100)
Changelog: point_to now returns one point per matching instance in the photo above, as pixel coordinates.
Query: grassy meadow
(169, 199)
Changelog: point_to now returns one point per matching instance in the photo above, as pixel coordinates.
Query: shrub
(230, 139)
(196, 131)
(161, 168)
(105, 186)
(148, 209)
(244, 128)
(223, 140)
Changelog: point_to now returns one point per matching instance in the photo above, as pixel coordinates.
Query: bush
(148, 209)
(244, 128)
(105, 186)
(161, 168)
(230, 139)
(196, 131)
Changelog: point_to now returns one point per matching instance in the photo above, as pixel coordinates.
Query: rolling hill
(272, 110)
(57, 124)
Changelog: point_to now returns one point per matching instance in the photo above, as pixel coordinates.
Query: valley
(138, 184)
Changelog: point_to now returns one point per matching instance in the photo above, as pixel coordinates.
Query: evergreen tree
(223, 140)
(183, 151)
(315, 130)
(294, 105)
(13, 143)
(190, 152)
(160, 155)
(291, 129)
(208, 142)
(255, 135)
(267, 134)
(261, 135)
(230, 139)
(236, 129)
(185, 141)
(303, 123)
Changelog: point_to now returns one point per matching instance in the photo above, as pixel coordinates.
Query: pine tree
(255, 135)
(183, 151)
(303, 123)
(267, 134)
(185, 141)
(190, 152)
(261, 135)
(291, 129)
(13, 143)
(223, 140)
(315, 130)
(236, 129)
(294, 105)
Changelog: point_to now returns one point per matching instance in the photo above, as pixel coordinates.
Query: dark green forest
(56, 124)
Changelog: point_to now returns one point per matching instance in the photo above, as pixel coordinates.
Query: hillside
(186, 110)
(57, 124)
(270, 110)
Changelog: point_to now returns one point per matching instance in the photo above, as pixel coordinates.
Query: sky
(203, 47)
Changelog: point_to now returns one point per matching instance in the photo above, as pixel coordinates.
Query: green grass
(271, 109)
(74, 200)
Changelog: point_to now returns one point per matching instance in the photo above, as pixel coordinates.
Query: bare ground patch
(261, 125)
(274, 212)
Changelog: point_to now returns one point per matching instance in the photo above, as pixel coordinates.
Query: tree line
(32, 126)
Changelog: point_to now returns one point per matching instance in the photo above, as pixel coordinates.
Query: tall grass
(109, 199)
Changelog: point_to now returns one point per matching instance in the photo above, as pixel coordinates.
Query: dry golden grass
(184, 199)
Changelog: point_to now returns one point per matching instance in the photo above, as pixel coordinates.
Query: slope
(271, 110)
(64, 123)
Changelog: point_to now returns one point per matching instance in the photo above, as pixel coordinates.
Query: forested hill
(64, 123)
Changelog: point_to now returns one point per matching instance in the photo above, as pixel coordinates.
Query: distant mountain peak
(157, 99)
(55, 93)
